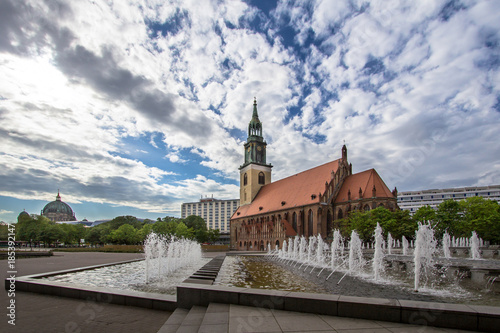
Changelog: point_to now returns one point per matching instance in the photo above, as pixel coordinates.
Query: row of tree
(120, 230)
(458, 218)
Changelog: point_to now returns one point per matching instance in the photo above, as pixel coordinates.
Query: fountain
(446, 245)
(405, 246)
(356, 261)
(389, 242)
(474, 246)
(424, 251)
(431, 273)
(168, 255)
(378, 256)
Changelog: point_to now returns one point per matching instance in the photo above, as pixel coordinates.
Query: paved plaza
(45, 313)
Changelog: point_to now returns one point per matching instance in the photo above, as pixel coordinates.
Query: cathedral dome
(58, 210)
(23, 214)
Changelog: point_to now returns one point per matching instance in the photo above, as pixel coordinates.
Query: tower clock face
(259, 148)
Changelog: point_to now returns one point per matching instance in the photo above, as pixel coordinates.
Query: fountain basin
(461, 316)
(37, 284)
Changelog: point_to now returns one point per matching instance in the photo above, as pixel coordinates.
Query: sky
(134, 107)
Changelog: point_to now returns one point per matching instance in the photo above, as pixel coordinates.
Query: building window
(329, 223)
(245, 179)
(310, 223)
(262, 178)
(294, 221)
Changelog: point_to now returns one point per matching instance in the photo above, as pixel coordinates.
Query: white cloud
(385, 76)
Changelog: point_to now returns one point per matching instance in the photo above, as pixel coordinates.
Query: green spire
(255, 115)
(255, 126)
(255, 147)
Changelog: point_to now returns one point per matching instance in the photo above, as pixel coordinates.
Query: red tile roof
(294, 191)
(364, 180)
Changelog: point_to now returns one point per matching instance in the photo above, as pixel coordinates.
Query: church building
(308, 203)
(58, 210)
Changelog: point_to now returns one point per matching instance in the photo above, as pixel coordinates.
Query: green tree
(406, 225)
(164, 228)
(93, 235)
(201, 236)
(361, 222)
(121, 220)
(195, 222)
(72, 233)
(29, 229)
(387, 221)
(80, 232)
(182, 231)
(449, 218)
(398, 223)
(172, 219)
(50, 233)
(4, 232)
(213, 235)
(424, 214)
(125, 234)
(483, 216)
(145, 230)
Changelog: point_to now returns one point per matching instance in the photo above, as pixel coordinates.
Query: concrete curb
(446, 315)
(34, 283)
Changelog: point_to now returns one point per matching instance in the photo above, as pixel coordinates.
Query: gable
(364, 180)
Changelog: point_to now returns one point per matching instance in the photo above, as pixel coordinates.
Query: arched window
(262, 178)
(278, 244)
(340, 215)
(294, 221)
(329, 223)
(310, 218)
(245, 179)
(366, 208)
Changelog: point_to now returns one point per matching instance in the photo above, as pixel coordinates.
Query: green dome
(59, 207)
(22, 214)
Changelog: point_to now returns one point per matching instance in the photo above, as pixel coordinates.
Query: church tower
(254, 173)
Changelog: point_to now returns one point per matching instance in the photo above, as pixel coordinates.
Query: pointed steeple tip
(255, 115)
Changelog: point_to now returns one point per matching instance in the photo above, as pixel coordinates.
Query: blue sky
(135, 107)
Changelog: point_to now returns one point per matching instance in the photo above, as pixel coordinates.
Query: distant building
(306, 204)
(22, 215)
(413, 200)
(216, 213)
(84, 222)
(58, 210)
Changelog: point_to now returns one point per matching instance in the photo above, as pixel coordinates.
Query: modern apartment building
(216, 213)
(413, 200)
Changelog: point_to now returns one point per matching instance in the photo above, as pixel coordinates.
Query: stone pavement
(44, 313)
(223, 318)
